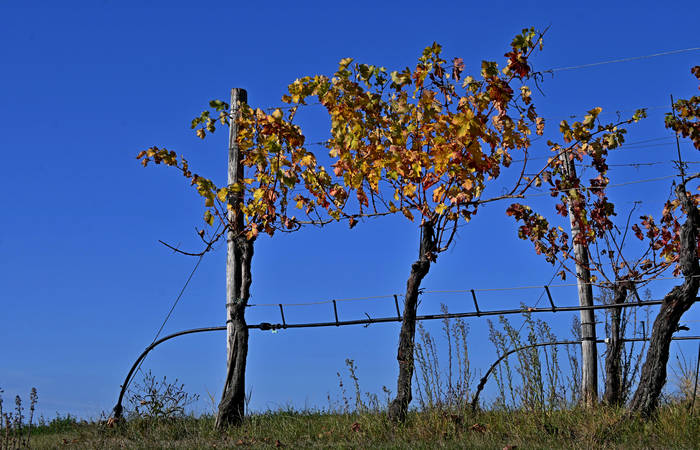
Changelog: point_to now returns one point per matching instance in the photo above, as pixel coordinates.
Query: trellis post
(589, 351)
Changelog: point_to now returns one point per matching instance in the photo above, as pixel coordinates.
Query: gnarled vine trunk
(232, 405)
(399, 406)
(613, 395)
(676, 302)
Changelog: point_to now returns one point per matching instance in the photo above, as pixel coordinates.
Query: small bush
(158, 399)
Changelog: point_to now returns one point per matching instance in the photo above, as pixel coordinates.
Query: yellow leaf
(344, 63)
(257, 195)
(307, 160)
(253, 232)
(525, 93)
(208, 218)
(540, 126)
(409, 190)
(222, 194)
(438, 192)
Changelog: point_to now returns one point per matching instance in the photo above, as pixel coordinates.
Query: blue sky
(84, 283)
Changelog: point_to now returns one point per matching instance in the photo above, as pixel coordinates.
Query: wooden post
(238, 280)
(589, 351)
(235, 172)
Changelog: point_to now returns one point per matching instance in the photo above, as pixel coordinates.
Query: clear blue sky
(84, 283)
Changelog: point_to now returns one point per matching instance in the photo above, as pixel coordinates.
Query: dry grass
(575, 428)
(535, 407)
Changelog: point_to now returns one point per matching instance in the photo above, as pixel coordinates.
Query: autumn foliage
(421, 141)
(424, 142)
(687, 120)
(590, 142)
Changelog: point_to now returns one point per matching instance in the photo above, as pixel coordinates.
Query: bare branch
(452, 235)
(208, 247)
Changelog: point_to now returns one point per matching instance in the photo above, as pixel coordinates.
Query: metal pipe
(483, 380)
(270, 326)
(118, 408)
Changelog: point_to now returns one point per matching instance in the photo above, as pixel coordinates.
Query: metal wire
(321, 302)
(445, 291)
(632, 58)
(117, 411)
(177, 299)
(369, 320)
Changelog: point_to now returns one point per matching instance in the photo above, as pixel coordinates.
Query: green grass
(540, 413)
(577, 428)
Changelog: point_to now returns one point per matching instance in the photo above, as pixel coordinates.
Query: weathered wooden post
(589, 351)
(238, 279)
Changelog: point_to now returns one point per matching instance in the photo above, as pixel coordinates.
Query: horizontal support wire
(268, 326)
(619, 60)
(338, 323)
(452, 291)
(551, 70)
(321, 302)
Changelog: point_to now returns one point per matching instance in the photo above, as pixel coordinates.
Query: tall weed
(538, 381)
(443, 388)
(14, 432)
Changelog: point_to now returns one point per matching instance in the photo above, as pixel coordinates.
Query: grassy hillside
(575, 428)
(535, 406)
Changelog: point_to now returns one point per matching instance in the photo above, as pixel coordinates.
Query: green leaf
(208, 218)
(399, 79)
(219, 105)
(365, 71)
(489, 69)
(639, 114)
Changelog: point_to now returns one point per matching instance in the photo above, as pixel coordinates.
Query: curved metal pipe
(483, 380)
(264, 326)
(118, 409)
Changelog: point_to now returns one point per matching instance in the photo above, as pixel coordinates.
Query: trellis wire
(117, 411)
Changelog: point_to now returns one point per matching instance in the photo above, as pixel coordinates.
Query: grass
(573, 428)
(535, 407)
